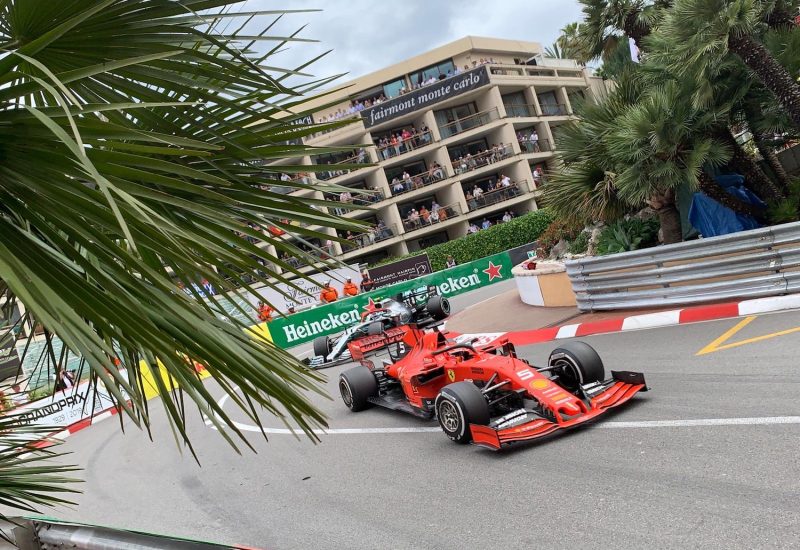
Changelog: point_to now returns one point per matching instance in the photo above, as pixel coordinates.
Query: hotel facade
(480, 117)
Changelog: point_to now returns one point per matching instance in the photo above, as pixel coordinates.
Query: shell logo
(540, 384)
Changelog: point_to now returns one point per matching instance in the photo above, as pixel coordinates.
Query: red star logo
(371, 307)
(493, 271)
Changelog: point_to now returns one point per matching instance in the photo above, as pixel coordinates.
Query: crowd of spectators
(406, 182)
(403, 141)
(508, 215)
(502, 189)
(425, 216)
(495, 153)
(377, 232)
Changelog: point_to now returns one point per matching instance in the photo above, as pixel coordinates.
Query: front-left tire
(356, 386)
(457, 406)
(322, 346)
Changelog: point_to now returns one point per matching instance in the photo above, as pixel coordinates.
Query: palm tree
(608, 23)
(133, 139)
(704, 31)
(662, 143)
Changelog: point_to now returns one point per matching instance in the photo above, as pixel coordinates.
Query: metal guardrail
(749, 264)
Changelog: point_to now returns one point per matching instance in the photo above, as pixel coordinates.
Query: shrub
(557, 230)
(496, 239)
(626, 235)
(580, 244)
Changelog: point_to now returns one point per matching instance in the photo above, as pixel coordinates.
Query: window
(438, 71)
(430, 240)
(413, 169)
(392, 89)
(549, 104)
(515, 105)
(450, 120)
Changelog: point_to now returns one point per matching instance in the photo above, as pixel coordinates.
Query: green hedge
(486, 242)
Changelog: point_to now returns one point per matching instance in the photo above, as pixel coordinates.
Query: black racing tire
(582, 365)
(438, 307)
(322, 346)
(356, 386)
(457, 406)
(375, 328)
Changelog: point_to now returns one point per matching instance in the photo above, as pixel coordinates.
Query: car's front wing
(618, 392)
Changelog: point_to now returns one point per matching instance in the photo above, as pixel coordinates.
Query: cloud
(366, 35)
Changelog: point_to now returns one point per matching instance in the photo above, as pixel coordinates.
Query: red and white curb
(648, 320)
(61, 435)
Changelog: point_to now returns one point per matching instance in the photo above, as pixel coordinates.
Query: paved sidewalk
(507, 313)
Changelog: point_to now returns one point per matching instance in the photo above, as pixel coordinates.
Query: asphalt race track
(708, 458)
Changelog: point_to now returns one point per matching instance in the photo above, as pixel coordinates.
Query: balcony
(417, 141)
(419, 181)
(521, 110)
(489, 198)
(554, 109)
(468, 123)
(361, 158)
(367, 198)
(428, 219)
(534, 146)
(375, 235)
(473, 162)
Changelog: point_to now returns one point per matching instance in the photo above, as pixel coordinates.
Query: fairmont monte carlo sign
(423, 97)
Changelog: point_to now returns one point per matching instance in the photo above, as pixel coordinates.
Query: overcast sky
(366, 35)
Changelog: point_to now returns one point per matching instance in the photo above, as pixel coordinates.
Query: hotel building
(472, 106)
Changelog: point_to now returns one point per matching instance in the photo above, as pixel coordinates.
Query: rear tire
(457, 406)
(581, 365)
(438, 307)
(322, 346)
(356, 385)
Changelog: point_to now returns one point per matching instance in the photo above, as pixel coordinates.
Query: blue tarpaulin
(712, 219)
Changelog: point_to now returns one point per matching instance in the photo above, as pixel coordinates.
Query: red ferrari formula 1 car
(485, 395)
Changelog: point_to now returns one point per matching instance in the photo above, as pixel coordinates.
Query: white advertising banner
(301, 300)
(65, 407)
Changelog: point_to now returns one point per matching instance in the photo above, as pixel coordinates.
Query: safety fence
(749, 264)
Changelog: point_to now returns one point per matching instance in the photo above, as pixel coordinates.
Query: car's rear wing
(363, 346)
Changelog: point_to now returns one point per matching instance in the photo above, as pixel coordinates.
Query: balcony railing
(554, 109)
(376, 234)
(420, 139)
(534, 146)
(361, 158)
(490, 156)
(495, 196)
(521, 110)
(428, 218)
(468, 123)
(361, 199)
(412, 183)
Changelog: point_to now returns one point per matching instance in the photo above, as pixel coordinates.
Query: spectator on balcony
(345, 196)
(434, 206)
(425, 134)
(425, 214)
(486, 223)
(437, 172)
(477, 192)
(534, 140)
(472, 204)
(383, 231)
(413, 218)
(285, 177)
(362, 156)
(461, 165)
(507, 216)
(394, 147)
(451, 262)
(349, 288)
(407, 183)
(435, 216)
(442, 213)
(472, 228)
(505, 181)
(328, 294)
(383, 145)
(537, 176)
(418, 182)
(397, 186)
(407, 139)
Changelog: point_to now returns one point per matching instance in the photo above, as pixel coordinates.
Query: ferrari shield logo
(451, 374)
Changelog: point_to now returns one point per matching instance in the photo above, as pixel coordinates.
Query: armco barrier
(749, 264)
(334, 318)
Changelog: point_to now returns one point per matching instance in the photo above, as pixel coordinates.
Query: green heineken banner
(334, 318)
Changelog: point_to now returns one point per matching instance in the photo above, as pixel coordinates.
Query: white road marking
(640, 424)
